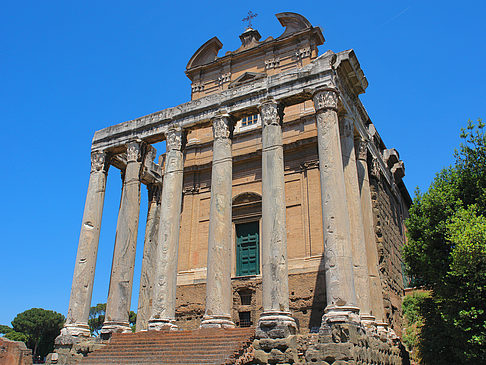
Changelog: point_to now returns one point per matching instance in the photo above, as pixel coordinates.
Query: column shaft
(149, 257)
(341, 296)
(84, 269)
(165, 283)
(121, 280)
(376, 291)
(360, 268)
(275, 321)
(219, 297)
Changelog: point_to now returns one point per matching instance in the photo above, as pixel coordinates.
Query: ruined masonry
(276, 207)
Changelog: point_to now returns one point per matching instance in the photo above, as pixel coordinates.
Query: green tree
(413, 321)
(446, 253)
(97, 318)
(38, 328)
(4, 329)
(132, 319)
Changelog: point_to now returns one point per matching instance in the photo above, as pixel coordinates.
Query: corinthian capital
(271, 113)
(99, 161)
(173, 138)
(134, 151)
(222, 126)
(325, 99)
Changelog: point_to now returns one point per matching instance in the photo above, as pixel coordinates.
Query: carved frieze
(99, 161)
(271, 113)
(174, 138)
(222, 126)
(325, 99)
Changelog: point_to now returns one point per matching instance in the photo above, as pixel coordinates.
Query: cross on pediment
(248, 18)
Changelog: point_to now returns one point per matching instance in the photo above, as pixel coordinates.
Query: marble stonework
(305, 170)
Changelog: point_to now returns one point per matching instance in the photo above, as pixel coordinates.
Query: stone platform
(341, 344)
(202, 346)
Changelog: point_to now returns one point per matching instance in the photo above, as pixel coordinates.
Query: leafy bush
(446, 253)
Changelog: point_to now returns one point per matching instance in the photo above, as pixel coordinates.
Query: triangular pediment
(246, 78)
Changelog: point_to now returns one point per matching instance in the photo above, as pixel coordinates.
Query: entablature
(291, 87)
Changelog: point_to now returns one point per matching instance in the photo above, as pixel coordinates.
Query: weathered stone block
(276, 356)
(261, 357)
(330, 352)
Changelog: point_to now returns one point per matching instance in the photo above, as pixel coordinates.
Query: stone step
(167, 350)
(174, 343)
(160, 353)
(203, 347)
(177, 340)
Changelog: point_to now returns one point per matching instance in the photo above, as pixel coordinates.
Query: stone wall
(343, 344)
(14, 353)
(306, 291)
(302, 186)
(389, 214)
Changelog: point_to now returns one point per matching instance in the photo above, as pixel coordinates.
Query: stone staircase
(202, 346)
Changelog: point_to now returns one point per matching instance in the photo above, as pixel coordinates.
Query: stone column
(338, 264)
(84, 269)
(121, 280)
(149, 257)
(376, 291)
(276, 320)
(219, 298)
(360, 268)
(165, 282)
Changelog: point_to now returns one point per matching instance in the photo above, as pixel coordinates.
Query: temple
(276, 206)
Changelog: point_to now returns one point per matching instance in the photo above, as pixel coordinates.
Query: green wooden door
(247, 249)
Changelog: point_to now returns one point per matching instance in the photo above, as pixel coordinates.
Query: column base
(76, 330)
(368, 320)
(276, 325)
(162, 325)
(341, 314)
(217, 322)
(114, 327)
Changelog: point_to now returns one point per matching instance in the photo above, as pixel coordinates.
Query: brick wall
(389, 214)
(306, 293)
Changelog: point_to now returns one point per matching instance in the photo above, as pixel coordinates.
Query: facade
(276, 204)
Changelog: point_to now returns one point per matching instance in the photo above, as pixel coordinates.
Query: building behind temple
(277, 205)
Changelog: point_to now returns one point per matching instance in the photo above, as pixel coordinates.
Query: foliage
(97, 318)
(132, 319)
(446, 253)
(4, 329)
(36, 327)
(413, 321)
(16, 336)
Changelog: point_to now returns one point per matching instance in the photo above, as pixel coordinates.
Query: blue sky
(70, 68)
